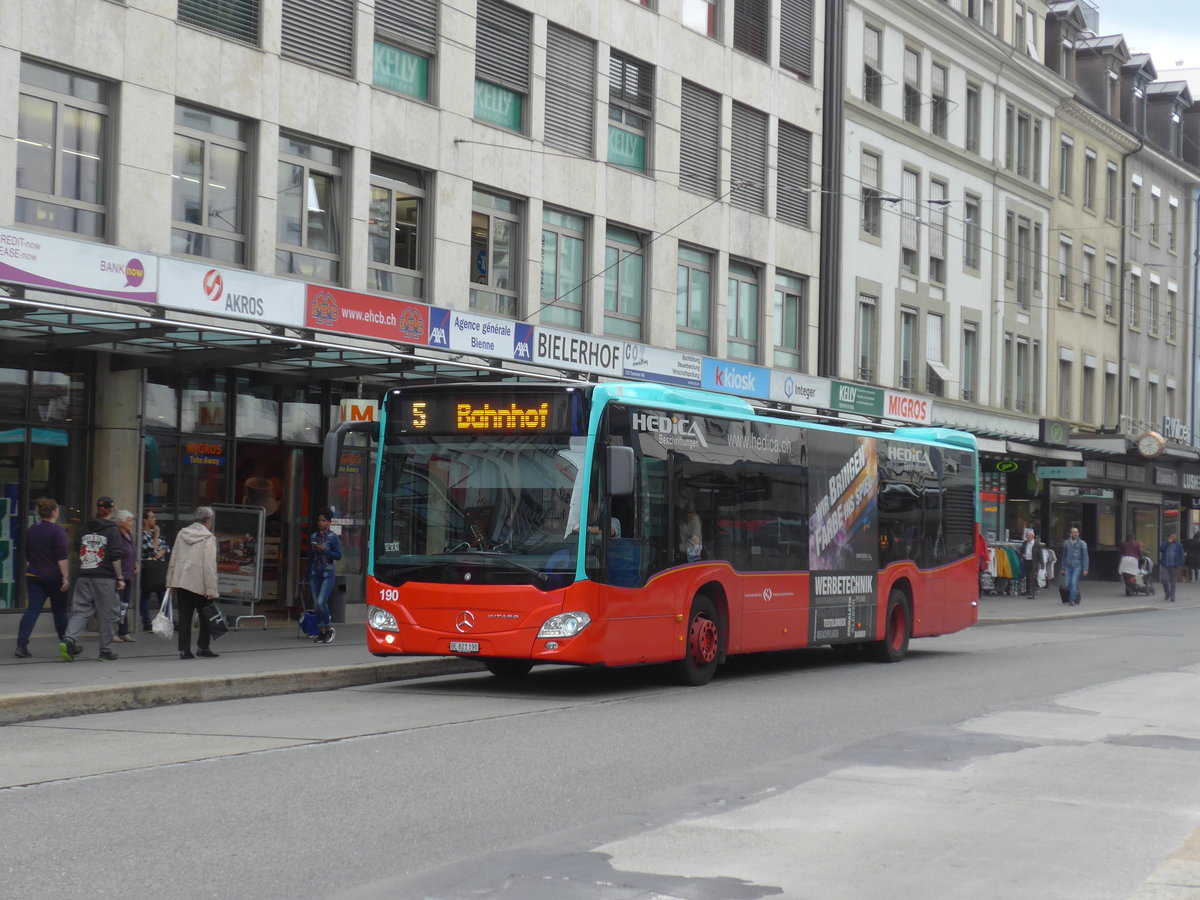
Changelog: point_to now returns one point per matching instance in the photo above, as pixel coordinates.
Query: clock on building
(1151, 444)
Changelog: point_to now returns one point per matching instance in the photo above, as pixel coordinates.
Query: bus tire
(703, 644)
(897, 629)
(509, 668)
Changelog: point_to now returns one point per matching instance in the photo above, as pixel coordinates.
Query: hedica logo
(677, 426)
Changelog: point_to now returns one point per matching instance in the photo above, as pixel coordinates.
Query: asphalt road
(1056, 759)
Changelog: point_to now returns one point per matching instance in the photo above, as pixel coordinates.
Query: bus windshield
(503, 508)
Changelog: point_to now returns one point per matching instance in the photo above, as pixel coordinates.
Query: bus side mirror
(331, 457)
(620, 471)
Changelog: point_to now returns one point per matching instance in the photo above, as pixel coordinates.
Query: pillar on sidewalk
(117, 437)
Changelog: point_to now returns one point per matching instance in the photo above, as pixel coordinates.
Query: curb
(1058, 617)
(28, 707)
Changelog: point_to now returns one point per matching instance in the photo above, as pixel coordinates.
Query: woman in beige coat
(192, 578)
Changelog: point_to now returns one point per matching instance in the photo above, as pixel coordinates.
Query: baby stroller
(1143, 582)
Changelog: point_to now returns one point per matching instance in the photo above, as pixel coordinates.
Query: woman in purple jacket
(46, 574)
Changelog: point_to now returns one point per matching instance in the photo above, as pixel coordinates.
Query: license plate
(464, 646)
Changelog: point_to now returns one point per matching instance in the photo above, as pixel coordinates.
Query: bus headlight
(381, 619)
(565, 625)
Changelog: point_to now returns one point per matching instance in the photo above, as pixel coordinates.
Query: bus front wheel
(508, 668)
(897, 628)
(703, 643)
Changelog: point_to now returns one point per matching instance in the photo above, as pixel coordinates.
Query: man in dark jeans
(1031, 562)
(1170, 558)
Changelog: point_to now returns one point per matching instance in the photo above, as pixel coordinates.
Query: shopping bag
(162, 624)
(308, 623)
(217, 625)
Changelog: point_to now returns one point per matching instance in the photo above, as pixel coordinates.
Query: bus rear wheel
(897, 628)
(508, 668)
(703, 648)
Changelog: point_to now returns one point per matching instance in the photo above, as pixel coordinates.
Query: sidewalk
(258, 662)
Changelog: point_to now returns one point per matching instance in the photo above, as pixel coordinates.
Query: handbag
(162, 625)
(217, 625)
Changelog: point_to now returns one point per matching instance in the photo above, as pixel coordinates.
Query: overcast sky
(1169, 30)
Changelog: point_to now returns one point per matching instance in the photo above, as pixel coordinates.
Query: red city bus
(626, 524)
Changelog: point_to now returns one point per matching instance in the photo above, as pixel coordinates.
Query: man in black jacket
(98, 583)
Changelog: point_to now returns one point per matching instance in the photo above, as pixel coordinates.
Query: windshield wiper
(491, 554)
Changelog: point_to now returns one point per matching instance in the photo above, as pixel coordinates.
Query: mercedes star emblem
(465, 621)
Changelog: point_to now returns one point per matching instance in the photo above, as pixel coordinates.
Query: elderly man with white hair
(192, 579)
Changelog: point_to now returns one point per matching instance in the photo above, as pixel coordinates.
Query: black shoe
(186, 654)
(22, 652)
(327, 637)
(206, 653)
(107, 656)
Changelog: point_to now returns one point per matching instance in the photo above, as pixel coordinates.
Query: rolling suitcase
(1064, 593)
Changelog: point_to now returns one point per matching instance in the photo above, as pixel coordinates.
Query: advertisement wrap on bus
(636, 523)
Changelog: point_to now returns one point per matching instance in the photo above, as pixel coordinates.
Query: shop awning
(1045, 452)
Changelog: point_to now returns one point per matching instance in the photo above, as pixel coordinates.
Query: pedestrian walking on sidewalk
(192, 578)
(46, 575)
(153, 582)
(323, 548)
(1031, 562)
(124, 520)
(1191, 550)
(1170, 558)
(1074, 563)
(1130, 566)
(98, 583)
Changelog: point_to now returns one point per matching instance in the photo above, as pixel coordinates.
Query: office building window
(1022, 377)
(937, 231)
(1066, 154)
(1064, 388)
(308, 210)
(570, 91)
(1087, 402)
(868, 339)
(1064, 270)
(1086, 277)
(1173, 225)
(1025, 262)
(910, 240)
(630, 94)
(62, 150)
(940, 104)
(1112, 287)
(748, 159)
(1110, 397)
(1112, 193)
(1172, 313)
(702, 16)
(970, 362)
(973, 118)
(405, 46)
(1155, 213)
(1152, 307)
(624, 282)
(796, 36)
(503, 36)
(237, 19)
(936, 372)
(495, 263)
(912, 86)
(1135, 208)
(872, 66)
(907, 351)
(320, 35)
(872, 205)
(794, 176)
(1089, 179)
(790, 314)
(1152, 411)
(971, 232)
(693, 299)
(751, 20)
(395, 230)
(208, 186)
(700, 140)
(1135, 300)
(1134, 405)
(742, 312)
(564, 254)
